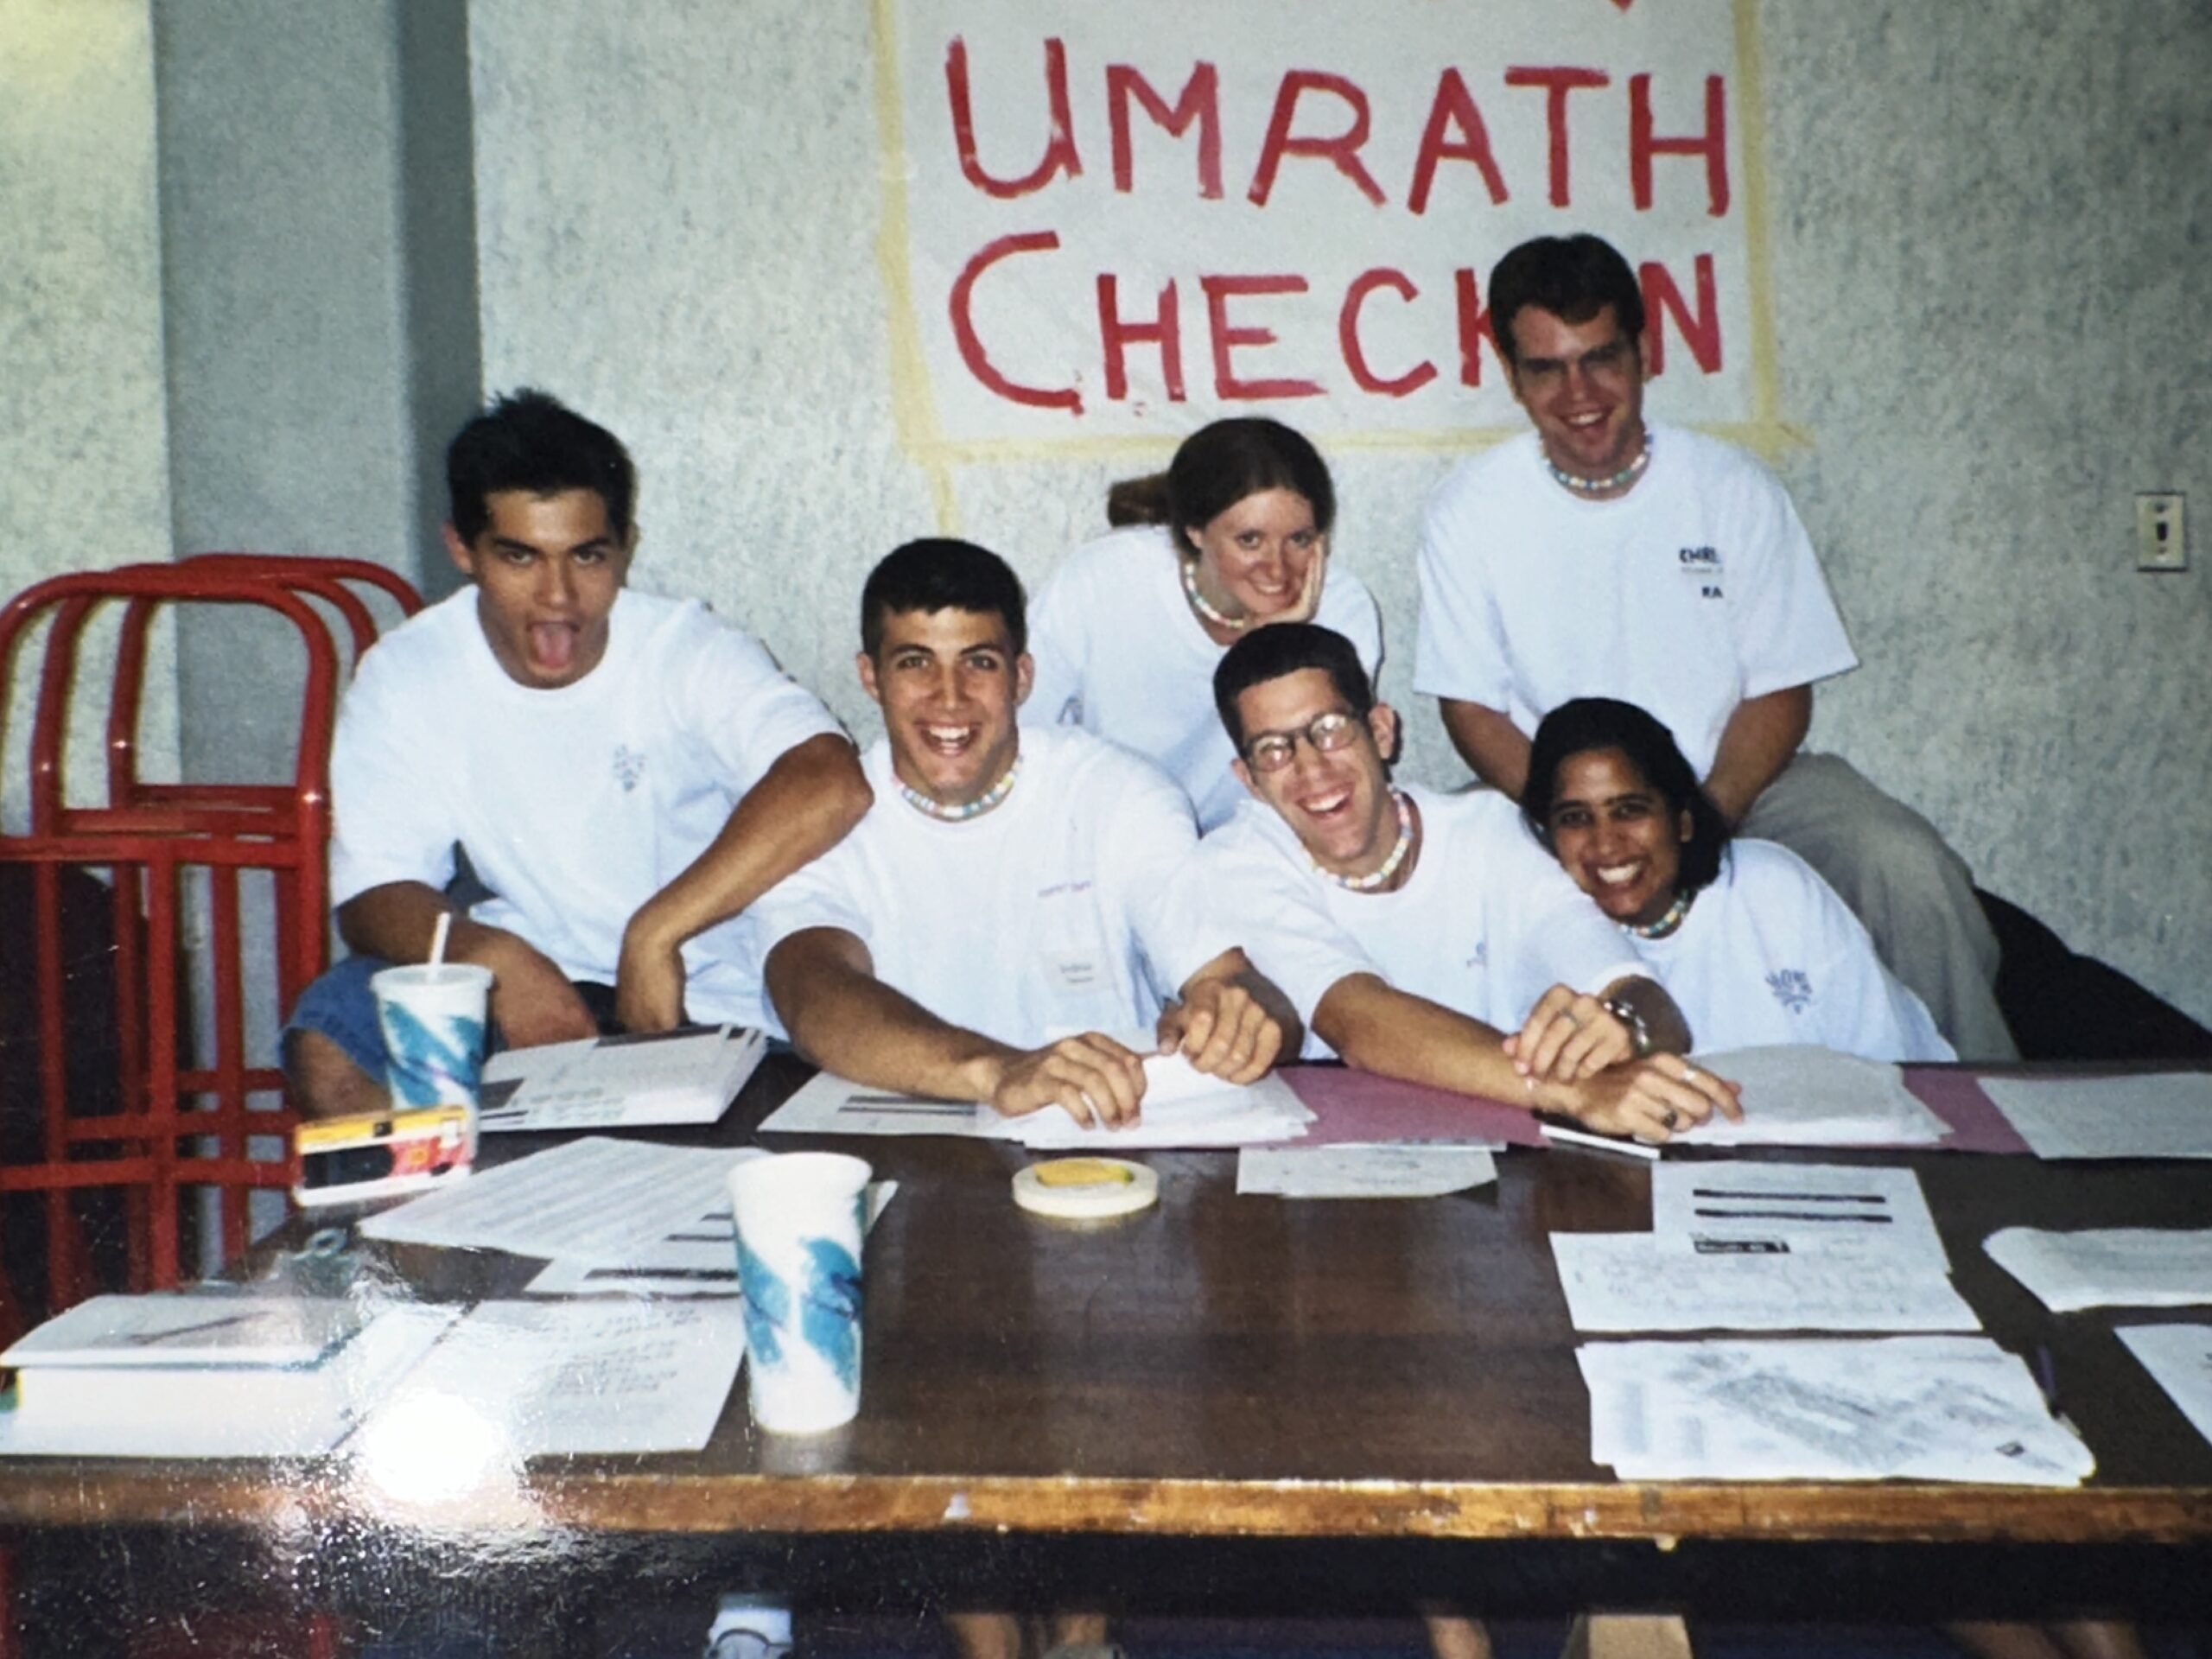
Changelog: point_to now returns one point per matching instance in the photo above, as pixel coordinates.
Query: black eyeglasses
(1273, 751)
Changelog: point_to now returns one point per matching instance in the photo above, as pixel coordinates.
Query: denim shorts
(340, 1006)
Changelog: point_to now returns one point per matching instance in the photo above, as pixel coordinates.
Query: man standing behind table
(1600, 555)
(625, 773)
(1411, 929)
(1001, 919)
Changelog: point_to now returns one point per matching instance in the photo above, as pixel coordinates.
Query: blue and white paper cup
(800, 1221)
(432, 1023)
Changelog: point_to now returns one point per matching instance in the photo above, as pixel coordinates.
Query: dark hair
(938, 574)
(1139, 501)
(1283, 648)
(529, 439)
(1216, 466)
(1588, 723)
(1573, 277)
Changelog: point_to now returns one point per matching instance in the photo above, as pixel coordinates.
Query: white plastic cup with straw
(433, 1018)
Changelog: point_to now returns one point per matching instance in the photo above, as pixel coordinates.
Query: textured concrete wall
(1988, 228)
(83, 475)
(1992, 237)
(321, 315)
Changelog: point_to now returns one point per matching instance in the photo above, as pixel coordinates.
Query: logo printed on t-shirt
(1704, 564)
(629, 766)
(1791, 989)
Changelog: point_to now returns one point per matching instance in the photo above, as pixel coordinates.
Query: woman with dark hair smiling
(1755, 948)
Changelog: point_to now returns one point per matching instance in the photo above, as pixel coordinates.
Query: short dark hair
(1283, 648)
(530, 440)
(1587, 723)
(1573, 277)
(1216, 466)
(939, 573)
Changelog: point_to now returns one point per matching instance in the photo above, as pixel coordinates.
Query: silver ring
(1689, 1074)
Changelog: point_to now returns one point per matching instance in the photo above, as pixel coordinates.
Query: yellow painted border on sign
(913, 407)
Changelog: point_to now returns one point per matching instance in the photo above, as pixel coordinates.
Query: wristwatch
(1625, 1011)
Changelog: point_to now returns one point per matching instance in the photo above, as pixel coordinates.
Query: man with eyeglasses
(1606, 555)
(1412, 930)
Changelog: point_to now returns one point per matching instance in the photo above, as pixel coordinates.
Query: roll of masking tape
(1085, 1189)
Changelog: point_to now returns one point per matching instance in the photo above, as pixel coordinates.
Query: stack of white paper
(505, 1381)
(195, 1335)
(1808, 1096)
(2159, 1114)
(2180, 1357)
(624, 1082)
(1900, 1407)
(1349, 1172)
(595, 1199)
(226, 1412)
(2123, 1266)
(1181, 1109)
(1638, 1281)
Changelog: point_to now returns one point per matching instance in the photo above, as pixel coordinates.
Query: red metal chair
(147, 835)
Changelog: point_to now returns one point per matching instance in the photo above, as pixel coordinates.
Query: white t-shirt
(1119, 653)
(1693, 592)
(1486, 924)
(1062, 910)
(1769, 953)
(576, 804)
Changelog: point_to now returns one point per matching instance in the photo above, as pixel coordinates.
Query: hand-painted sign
(1118, 222)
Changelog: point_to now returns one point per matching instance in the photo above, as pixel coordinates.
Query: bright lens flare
(432, 1448)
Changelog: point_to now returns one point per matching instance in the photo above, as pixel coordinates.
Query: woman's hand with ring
(1648, 1099)
(1569, 1037)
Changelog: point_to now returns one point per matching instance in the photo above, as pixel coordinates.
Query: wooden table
(1234, 1402)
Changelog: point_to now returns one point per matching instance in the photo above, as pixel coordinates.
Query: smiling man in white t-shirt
(1015, 909)
(1602, 554)
(1412, 931)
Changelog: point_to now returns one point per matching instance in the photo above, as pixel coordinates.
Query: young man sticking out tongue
(624, 773)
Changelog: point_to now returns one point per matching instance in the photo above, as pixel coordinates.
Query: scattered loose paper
(1423, 1171)
(1799, 1096)
(538, 1378)
(827, 1104)
(1170, 1079)
(596, 1199)
(1636, 1281)
(1182, 1114)
(1181, 1109)
(1903, 1408)
(598, 1083)
(696, 1258)
(1797, 1207)
(2180, 1357)
(2156, 1115)
(2110, 1267)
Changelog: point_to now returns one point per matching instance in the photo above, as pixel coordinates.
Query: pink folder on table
(1354, 1107)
